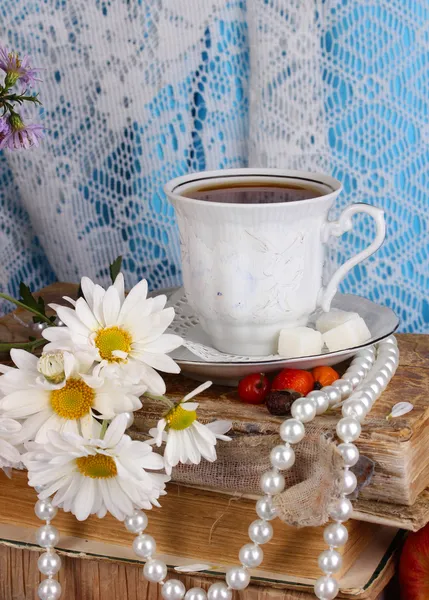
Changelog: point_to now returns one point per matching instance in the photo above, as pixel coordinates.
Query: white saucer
(380, 320)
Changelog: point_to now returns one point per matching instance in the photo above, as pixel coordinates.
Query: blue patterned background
(137, 93)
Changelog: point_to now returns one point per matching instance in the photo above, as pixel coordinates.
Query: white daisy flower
(125, 335)
(69, 405)
(94, 476)
(9, 455)
(187, 440)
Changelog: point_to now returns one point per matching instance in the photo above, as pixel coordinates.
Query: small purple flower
(15, 135)
(4, 127)
(17, 69)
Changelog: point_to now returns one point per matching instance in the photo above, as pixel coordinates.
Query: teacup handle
(337, 228)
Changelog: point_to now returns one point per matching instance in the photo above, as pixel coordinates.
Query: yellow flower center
(73, 401)
(112, 338)
(98, 466)
(178, 418)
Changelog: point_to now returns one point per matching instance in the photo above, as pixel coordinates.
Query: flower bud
(51, 366)
(15, 122)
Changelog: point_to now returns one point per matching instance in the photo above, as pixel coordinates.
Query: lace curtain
(136, 92)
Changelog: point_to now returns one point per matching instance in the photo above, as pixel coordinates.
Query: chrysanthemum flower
(187, 440)
(69, 405)
(17, 69)
(125, 335)
(19, 136)
(96, 476)
(9, 455)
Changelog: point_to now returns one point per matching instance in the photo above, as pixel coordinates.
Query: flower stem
(104, 428)
(163, 399)
(22, 305)
(6, 346)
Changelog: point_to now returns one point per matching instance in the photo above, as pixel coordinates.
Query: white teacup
(250, 270)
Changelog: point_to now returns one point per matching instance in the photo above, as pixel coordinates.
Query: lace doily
(187, 326)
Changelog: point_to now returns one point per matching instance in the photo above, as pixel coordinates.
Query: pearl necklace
(363, 382)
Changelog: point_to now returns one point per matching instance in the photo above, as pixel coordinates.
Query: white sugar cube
(350, 334)
(299, 341)
(333, 318)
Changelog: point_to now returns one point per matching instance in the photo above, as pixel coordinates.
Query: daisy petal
(86, 315)
(162, 362)
(120, 287)
(197, 390)
(24, 360)
(111, 306)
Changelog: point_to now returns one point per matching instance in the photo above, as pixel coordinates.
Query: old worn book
(92, 570)
(197, 524)
(395, 448)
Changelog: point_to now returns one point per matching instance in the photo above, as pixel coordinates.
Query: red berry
(294, 379)
(254, 388)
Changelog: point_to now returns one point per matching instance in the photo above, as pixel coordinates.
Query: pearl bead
(375, 387)
(137, 522)
(344, 387)
(237, 578)
(219, 591)
(49, 589)
(388, 349)
(49, 563)
(390, 340)
(386, 373)
(44, 510)
(348, 482)
(282, 457)
(47, 536)
(330, 561)
(366, 355)
(173, 589)
(144, 546)
(390, 367)
(304, 410)
(272, 482)
(265, 508)
(355, 370)
(350, 454)
(364, 398)
(130, 418)
(326, 588)
(363, 364)
(381, 379)
(369, 393)
(292, 431)
(251, 555)
(341, 509)
(392, 361)
(354, 408)
(353, 378)
(348, 429)
(155, 570)
(334, 394)
(336, 535)
(321, 400)
(196, 593)
(260, 531)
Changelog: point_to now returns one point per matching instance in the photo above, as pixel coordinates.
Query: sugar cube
(333, 318)
(299, 341)
(350, 334)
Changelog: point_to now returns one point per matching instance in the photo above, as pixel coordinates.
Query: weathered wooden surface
(88, 579)
(397, 447)
(209, 519)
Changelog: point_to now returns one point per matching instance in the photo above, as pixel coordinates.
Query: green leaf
(115, 268)
(29, 300)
